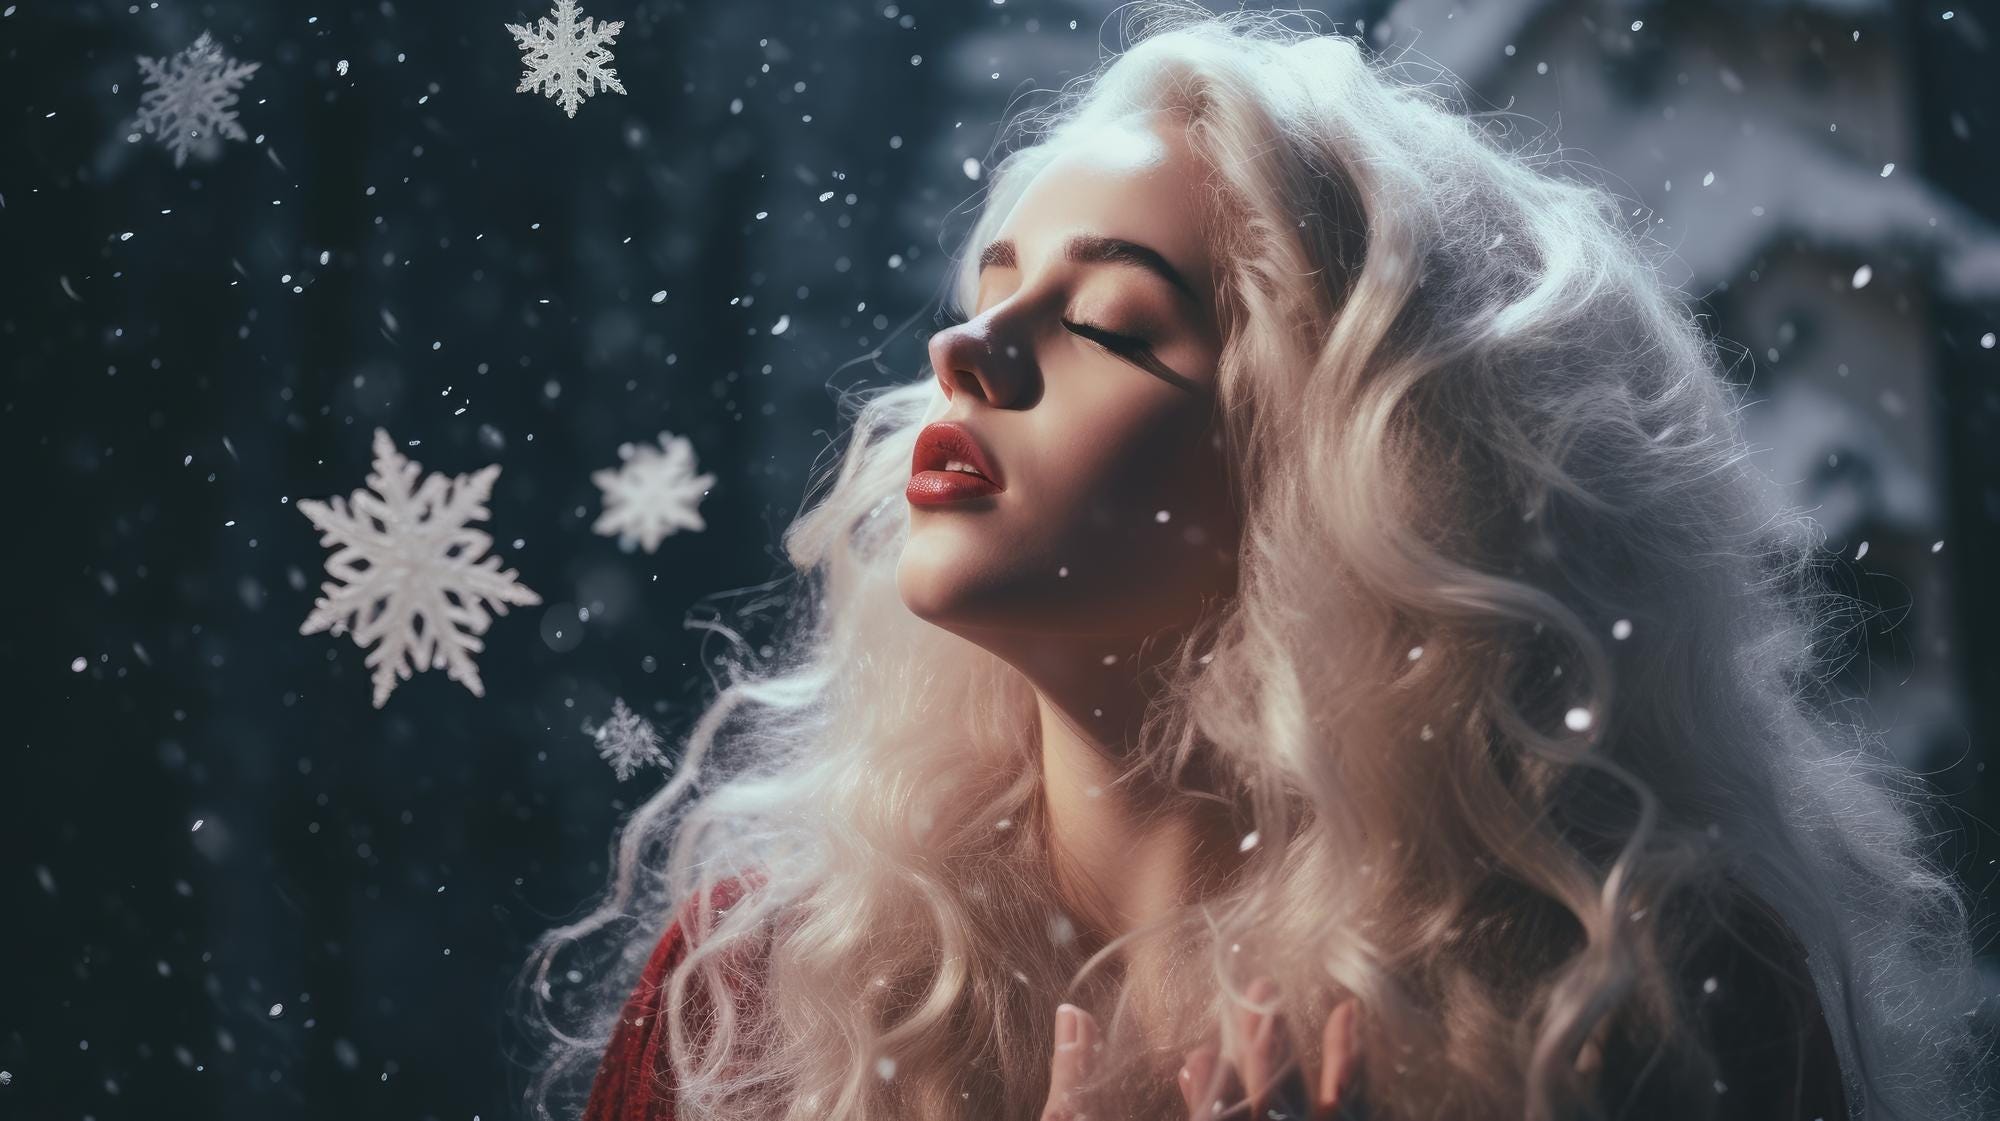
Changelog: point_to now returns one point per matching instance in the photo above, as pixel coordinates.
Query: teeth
(955, 465)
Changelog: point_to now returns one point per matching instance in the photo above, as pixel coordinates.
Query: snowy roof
(1469, 38)
(1771, 179)
(1806, 187)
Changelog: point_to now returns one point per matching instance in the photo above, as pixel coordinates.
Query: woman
(1319, 576)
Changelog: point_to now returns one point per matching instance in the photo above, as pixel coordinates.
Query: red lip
(938, 443)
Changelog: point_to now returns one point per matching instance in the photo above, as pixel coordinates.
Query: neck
(1124, 850)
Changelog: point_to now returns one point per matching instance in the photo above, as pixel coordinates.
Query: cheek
(1139, 473)
(1135, 503)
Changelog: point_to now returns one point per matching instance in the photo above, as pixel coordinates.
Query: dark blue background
(381, 873)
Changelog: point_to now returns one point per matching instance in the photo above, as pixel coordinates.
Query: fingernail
(1200, 1064)
(1066, 1025)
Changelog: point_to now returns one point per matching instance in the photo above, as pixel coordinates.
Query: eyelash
(1110, 340)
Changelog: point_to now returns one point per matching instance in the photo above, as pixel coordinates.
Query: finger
(1258, 1033)
(1272, 1071)
(1339, 1060)
(1221, 1092)
(1333, 1058)
(1590, 1058)
(1075, 1035)
(1087, 1045)
(1197, 1074)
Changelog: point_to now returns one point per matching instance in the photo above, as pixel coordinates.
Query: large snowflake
(627, 741)
(654, 494)
(567, 58)
(192, 95)
(406, 561)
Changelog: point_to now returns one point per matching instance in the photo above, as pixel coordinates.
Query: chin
(949, 592)
(925, 585)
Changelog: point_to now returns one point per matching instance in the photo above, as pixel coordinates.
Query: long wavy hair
(1527, 671)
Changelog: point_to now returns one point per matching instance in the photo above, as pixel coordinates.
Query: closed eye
(1111, 340)
(1137, 351)
(1108, 339)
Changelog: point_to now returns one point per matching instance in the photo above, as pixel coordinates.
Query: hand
(1275, 1076)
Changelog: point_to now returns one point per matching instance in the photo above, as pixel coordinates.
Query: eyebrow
(1094, 249)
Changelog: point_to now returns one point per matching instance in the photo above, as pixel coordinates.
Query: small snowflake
(567, 58)
(191, 97)
(627, 741)
(406, 558)
(652, 495)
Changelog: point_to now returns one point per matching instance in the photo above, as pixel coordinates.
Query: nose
(980, 356)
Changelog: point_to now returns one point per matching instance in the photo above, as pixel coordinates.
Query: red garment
(635, 1081)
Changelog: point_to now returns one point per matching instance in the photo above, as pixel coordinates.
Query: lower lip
(935, 488)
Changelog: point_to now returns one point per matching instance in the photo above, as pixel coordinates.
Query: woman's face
(1086, 374)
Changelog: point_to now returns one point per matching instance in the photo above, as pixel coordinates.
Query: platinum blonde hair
(1465, 413)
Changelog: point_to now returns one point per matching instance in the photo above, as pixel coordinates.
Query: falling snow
(511, 297)
(192, 97)
(568, 58)
(653, 495)
(628, 742)
(405, 559)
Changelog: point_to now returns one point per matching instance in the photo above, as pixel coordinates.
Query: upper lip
(947, 440)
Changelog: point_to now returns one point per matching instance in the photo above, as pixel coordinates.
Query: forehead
(1137, 180)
